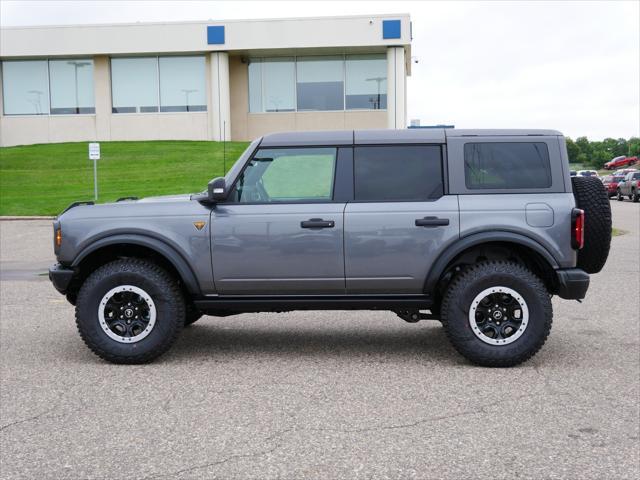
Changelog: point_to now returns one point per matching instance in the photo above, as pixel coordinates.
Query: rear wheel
(497, 314)
(635, 196)
(129, 311)
(619, 195)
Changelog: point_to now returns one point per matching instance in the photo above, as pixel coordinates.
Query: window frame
(560, 182)
(48, 113)
(443, 171)
(295, 86)
(334, 181)
(157, 59)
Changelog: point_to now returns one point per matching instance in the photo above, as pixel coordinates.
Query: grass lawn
(44, 179)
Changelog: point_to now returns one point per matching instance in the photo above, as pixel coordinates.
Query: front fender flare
(176, 259)
(438, 267)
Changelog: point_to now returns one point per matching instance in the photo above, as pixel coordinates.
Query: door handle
(317, 223)
(431, 222)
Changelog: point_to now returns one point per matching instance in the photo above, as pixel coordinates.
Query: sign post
(94, 154)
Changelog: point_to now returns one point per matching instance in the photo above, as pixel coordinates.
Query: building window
(272, 85)
(43, 87)
(134, 84)
(320, 83)
(182, 84)
(366, 82)
(152, 84)
(316, 83)
(71, 84)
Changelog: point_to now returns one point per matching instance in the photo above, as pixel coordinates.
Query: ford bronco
(474, 228)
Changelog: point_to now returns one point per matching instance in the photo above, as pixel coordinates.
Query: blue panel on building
(215, 35)
(390, 29)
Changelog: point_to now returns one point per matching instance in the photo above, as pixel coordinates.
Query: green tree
(572, 150)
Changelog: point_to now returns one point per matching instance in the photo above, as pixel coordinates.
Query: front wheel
(129, 311)
(620, 197)
(635, 196)
(497, 314)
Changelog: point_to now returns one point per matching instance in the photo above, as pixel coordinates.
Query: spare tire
(591, 196)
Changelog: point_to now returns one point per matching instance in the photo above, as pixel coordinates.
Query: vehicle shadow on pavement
(414, 343)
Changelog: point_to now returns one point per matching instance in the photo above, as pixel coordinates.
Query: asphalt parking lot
(318, 394)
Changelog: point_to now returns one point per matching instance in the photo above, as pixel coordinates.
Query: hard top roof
(368, 137)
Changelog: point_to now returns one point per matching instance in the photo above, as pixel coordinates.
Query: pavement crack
(232, 457)
(29, 419)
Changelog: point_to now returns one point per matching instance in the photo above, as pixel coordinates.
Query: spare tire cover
(591, 196)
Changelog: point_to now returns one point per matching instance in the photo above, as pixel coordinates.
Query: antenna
(224, 148)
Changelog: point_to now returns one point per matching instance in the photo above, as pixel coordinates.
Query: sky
(572, 66)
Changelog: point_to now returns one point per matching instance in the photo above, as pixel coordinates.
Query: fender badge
(199, 225)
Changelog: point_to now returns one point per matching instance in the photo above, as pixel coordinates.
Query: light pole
(186, 95)
(77, 64)
(378, 81)
(36, 102)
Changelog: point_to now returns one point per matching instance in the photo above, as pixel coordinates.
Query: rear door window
(387, 173)
(507, 165)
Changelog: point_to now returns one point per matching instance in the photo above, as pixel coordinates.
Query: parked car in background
(623, 172)
(628, 187)
(611, 184)
(573, 173)
(621, 161)
(587, 173)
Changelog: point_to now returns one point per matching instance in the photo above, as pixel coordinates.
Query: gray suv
(474, 228)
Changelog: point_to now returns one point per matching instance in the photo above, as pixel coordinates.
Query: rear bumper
(60, 277)
(573, 283)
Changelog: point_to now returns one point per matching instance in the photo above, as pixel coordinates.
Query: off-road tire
(473, 280)
(635, 196)
(619, 196)
(591, 196)
(163, 290)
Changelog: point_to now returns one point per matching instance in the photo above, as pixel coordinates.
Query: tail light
(577, 228)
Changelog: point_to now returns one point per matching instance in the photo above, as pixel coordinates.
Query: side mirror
(217, 190)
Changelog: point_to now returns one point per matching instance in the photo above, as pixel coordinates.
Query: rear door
(400, 218)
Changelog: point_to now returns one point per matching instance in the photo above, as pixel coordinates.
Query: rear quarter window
(507, 165)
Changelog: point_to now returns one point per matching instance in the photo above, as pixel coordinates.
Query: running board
(282, 303)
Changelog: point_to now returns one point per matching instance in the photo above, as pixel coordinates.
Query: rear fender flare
(439, 266)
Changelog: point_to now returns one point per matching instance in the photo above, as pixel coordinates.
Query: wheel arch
(541, 258)
(117, 246)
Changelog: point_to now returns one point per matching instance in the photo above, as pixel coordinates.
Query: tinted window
(287, 175)
(397, 173)
(636, 176)
(507, 165)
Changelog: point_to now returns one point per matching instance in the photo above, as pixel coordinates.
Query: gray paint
(262, 249)
(385, 252)
(373, 247)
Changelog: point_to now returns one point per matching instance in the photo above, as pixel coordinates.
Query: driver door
(280, 231)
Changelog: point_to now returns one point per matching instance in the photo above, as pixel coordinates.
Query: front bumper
(61, 277)
(573, 283)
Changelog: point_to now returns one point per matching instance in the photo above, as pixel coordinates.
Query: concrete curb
(12, 218)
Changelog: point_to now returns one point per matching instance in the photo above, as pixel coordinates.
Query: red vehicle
(620, 162)
(611, 184)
